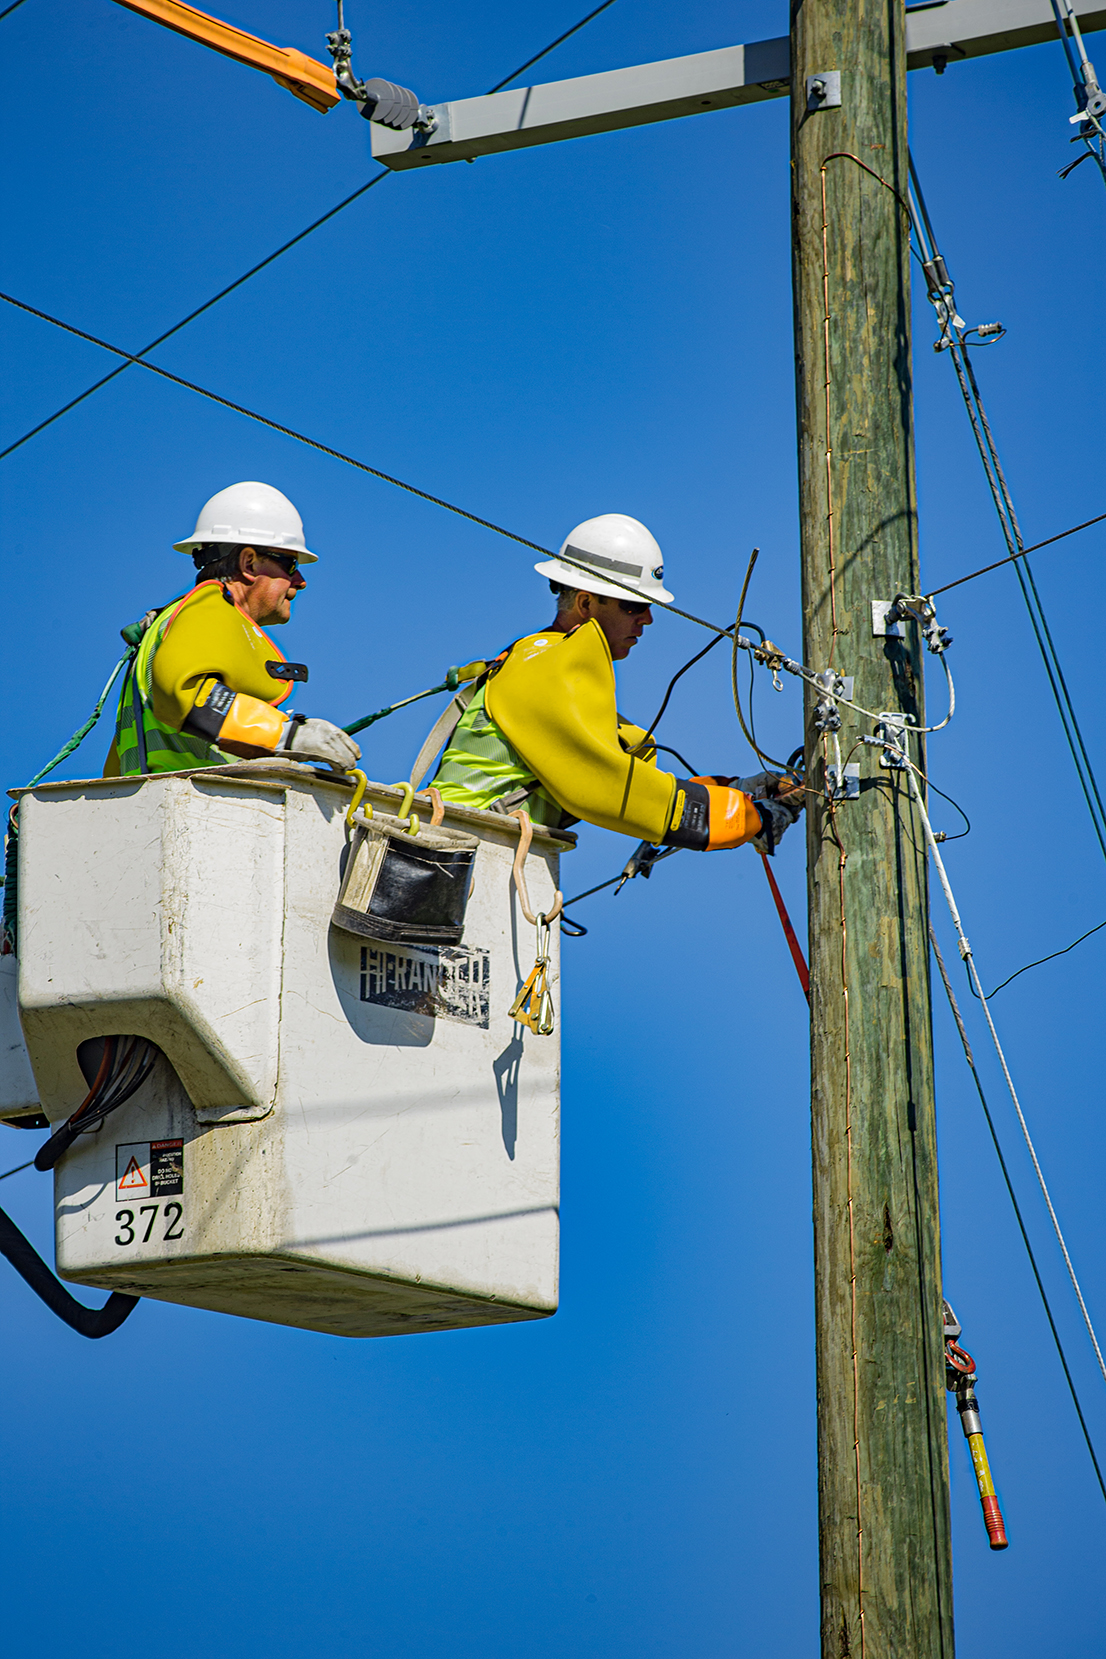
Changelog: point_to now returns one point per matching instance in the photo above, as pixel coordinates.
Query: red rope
(792, 942)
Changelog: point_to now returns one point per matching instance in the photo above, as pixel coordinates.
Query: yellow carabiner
(533, 1007)
(404, 813)
(359, 788)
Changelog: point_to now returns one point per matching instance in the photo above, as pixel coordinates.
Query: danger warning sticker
(132, 1170)
(166, 1169)
(149, 1169)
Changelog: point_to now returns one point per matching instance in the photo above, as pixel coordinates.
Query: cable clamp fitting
(772, 658)
(836, 688)
(891, 733)
(922, 611)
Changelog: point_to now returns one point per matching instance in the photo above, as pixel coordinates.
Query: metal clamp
(891, 732)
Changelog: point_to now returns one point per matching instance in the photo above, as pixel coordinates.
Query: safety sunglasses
(288, 562)
(632, 608)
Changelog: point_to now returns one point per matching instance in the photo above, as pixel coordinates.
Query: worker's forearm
(234, 721)
(707, 817)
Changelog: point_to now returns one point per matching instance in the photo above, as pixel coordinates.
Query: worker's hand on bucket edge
(320, 740)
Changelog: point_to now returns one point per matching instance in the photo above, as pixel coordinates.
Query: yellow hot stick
(992, 1514)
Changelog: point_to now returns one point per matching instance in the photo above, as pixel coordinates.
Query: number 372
(174, 1215)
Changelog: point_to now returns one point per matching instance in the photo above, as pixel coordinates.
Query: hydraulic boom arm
(302, 76)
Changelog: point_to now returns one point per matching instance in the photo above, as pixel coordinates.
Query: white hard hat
(615, 547)
(253, 515)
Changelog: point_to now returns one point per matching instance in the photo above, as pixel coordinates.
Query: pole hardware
(884, 622)
(382, 101)
(843, 782)
(1095, 105)
(823, 91)
(827, 717)
(891, 732)
(960, 1379)
(924, 613)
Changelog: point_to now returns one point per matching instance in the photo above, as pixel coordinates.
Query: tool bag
(406, 888)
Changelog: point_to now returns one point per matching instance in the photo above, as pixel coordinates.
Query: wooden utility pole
(886, 1573)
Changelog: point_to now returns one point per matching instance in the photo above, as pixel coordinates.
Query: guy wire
(970, 1058)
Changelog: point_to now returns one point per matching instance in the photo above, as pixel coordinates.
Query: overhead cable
(15, 5)
(261, 265)
(765, 651)
(544, 53)
(192, 315)
(954, 340)
(973, 975)
(1020, 554)
(351, 460)
(1041, 960)
(970, 1058)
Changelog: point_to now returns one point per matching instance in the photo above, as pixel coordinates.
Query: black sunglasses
(632, 608)
(288, 562)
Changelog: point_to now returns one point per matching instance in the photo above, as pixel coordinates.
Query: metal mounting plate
(880, 626)
(823, 91)
(847, 787)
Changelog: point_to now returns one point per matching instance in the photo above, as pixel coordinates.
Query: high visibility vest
(480, 768)
(239, 653)
(166, 750)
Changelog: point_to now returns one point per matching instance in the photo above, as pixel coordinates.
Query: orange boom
(300, 75)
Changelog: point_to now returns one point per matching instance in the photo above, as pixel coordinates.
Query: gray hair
(566, 597)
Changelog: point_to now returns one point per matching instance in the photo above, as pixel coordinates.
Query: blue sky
(597, 326)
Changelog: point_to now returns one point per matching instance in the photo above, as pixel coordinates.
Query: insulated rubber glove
(320, 740)
(777, 812)
(775, 818)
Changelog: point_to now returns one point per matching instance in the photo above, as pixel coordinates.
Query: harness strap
(139, 719)
(442, 730)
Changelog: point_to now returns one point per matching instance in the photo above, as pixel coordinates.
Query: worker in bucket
(206, 685)
(542, 730)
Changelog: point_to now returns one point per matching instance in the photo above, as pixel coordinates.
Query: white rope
(966, 953)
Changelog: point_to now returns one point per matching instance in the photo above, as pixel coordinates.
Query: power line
(1085, 87)
(13, 7)
(261, 265)
(1041, 960)
(973, 975)
(192, 315)
(1020, 554)
(350, 460)
(276, 426)
(954, 338)
(545, 50)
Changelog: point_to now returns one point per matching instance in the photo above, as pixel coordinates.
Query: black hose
(90, 1322)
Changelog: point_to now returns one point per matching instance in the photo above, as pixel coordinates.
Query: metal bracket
(847, 786)
(881, 627)
(891, 732)
(823, 91)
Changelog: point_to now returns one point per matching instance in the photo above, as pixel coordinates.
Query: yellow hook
(403, 811)
(359, 788)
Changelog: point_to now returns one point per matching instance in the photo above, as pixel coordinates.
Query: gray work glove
(777, 814)
(320, 740)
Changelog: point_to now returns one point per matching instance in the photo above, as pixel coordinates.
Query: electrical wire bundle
(125, 1065)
